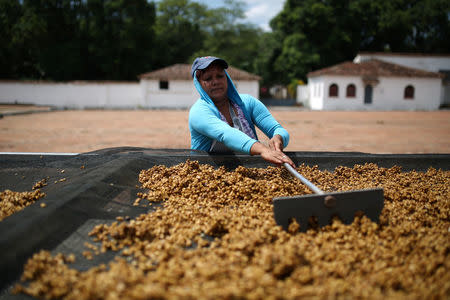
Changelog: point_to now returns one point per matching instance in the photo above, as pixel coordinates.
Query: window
(163, 85)
(409, 92)
(333, 91)
(351, 91)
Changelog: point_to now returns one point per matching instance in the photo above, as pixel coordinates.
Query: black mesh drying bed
(92, 188)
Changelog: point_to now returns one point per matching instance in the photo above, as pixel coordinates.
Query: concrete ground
(41, 129)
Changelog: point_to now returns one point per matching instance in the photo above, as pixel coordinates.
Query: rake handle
(308, 183)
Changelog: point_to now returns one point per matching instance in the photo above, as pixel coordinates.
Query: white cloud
(258, 12)
(261, 12)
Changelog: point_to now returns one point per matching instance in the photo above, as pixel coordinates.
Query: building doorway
(368, 91)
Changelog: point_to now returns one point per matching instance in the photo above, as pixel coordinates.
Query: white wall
(182, 93)
(302, 94)
(427, 93)
(387, 94)
(427, 63)
(247, 87)
(84, 94)
(316, 86)
(72, 94)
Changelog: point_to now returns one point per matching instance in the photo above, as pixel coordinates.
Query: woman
(223, 120)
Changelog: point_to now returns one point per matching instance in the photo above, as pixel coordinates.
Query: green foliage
(19, 30)
(235, 44)
(292, 88)
(313, 34)
(226, 37)
(179, 30)
(77, 39)
(48, 28)
(120, 39)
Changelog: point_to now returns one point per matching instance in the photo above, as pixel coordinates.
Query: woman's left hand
(276, 143)
(270, 155)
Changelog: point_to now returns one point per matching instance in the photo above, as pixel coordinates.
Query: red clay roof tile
(373, 68)
(183, 72)
(405, 54)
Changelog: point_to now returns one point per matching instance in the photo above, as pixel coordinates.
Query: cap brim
(205, 62)
(217, 60)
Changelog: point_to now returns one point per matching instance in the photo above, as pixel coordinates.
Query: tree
(119, 37)
(226, 36)
(312, 34)
(238, 45)
(10, 12)
(430, 26)
(77, 39)
(180, 30)
(187, 29)
(47, 31)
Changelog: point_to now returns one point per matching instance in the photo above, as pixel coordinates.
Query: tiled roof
(183, 72)
(405, 54)
(373, 68)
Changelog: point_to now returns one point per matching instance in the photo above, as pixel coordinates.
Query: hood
(232, 93)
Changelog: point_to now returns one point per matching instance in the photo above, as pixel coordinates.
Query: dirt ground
(78, 131)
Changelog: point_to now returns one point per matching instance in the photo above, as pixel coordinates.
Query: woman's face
(214, 82)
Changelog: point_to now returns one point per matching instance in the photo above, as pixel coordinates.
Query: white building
(173, 86)
(170, 87)
(427, 62)
(373, 84)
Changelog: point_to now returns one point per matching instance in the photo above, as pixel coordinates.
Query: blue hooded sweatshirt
(205, 124)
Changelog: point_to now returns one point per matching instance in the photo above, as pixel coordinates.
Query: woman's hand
(276, 143)
(274, 156)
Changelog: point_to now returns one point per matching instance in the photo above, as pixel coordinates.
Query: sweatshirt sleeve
(264, 120)
(204, 121)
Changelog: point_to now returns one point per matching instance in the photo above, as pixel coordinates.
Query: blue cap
(201, 63)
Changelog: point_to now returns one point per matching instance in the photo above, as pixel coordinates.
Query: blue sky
(258, 12)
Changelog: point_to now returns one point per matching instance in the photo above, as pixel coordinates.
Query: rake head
(328, 205)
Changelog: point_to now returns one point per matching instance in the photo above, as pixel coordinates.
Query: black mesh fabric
(101, 185)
